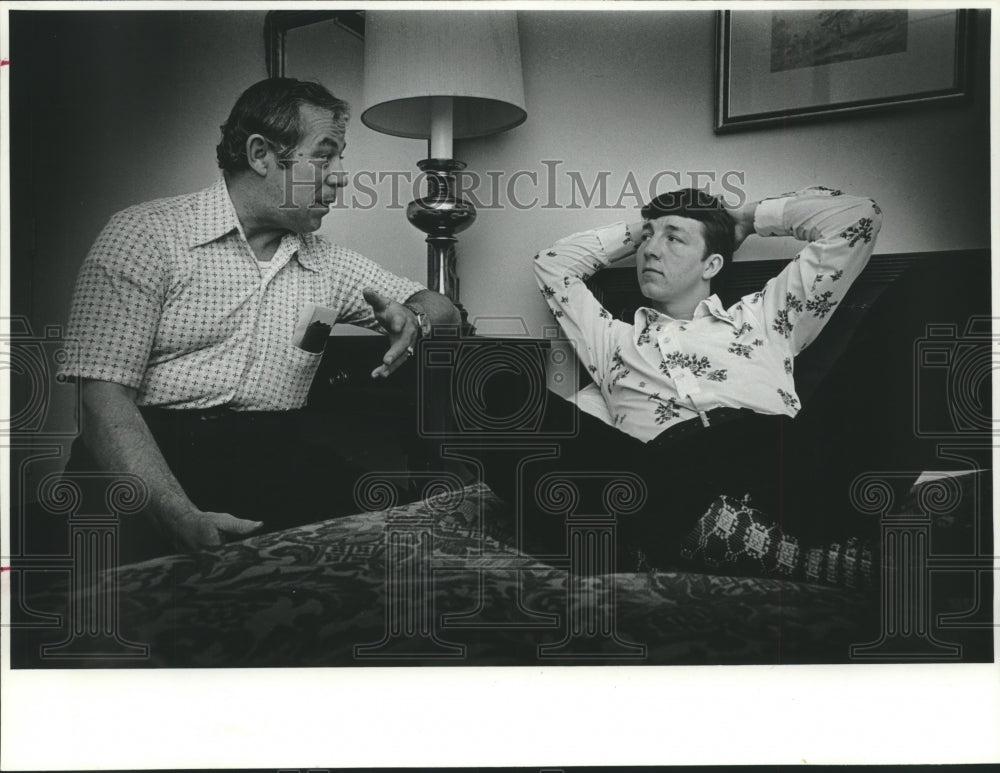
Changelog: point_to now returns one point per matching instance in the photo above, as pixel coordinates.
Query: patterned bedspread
(431, 582)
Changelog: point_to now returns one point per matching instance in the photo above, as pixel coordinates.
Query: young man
(185, 309)
(685, 354)
(670, 382)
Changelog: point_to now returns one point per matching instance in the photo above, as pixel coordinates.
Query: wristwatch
(423, 321)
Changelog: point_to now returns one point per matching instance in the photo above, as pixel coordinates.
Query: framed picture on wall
(776, 67)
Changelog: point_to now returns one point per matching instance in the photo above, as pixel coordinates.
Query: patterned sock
(732, 536)
(848, 565)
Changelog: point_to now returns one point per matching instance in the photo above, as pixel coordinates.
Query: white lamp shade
(472, 56)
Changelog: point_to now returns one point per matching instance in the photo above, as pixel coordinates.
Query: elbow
(105, 405)
(99, 398)
(862, 223)
(875, 213)
(540, 266)
(867, 211)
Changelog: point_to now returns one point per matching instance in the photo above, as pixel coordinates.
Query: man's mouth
(652, 271)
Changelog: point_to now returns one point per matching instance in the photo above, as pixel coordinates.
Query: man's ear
(257, 152)
(713, 265)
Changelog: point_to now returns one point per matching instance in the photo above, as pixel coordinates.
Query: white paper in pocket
(313, 327)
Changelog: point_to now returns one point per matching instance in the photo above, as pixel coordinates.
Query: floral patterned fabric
(740, 357)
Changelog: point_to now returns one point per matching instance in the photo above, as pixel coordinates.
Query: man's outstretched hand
(401, 325)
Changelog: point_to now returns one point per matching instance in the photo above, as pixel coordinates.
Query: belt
(212, 414)
(716, 417)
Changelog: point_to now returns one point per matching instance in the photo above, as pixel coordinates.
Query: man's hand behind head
(743, 219)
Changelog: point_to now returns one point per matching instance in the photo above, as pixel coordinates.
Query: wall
(108, 109)
(635, 92)
(123, 108)
(371, 218)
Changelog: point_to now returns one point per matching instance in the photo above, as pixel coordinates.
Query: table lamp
(442, 76)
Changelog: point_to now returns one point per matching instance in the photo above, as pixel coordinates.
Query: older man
(185, 310)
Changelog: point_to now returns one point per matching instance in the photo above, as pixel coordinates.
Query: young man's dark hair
(271, 108)
(717, 224)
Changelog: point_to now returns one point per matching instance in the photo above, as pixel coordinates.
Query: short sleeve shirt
(172, 302)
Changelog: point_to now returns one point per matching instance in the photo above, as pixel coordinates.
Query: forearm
(576, 258)
(438, 308)
(117, 436)
(561, 272)
(840, 231)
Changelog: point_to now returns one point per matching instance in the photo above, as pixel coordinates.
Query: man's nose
(336, 177)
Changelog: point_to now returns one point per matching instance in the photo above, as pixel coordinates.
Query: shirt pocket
(299, 359)
(300, 372)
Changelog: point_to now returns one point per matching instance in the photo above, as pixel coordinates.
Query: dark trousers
(270, 467)
(748, 455)
(860, 419)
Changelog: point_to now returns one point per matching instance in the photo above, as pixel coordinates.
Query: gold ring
(409, 350)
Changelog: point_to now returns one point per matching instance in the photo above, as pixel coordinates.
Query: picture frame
(277, 24)
(779, 67)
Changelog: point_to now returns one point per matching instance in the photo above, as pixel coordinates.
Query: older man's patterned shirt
(659, 370)
(172, 302)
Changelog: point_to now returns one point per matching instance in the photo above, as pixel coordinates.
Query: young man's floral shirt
(740, 357)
